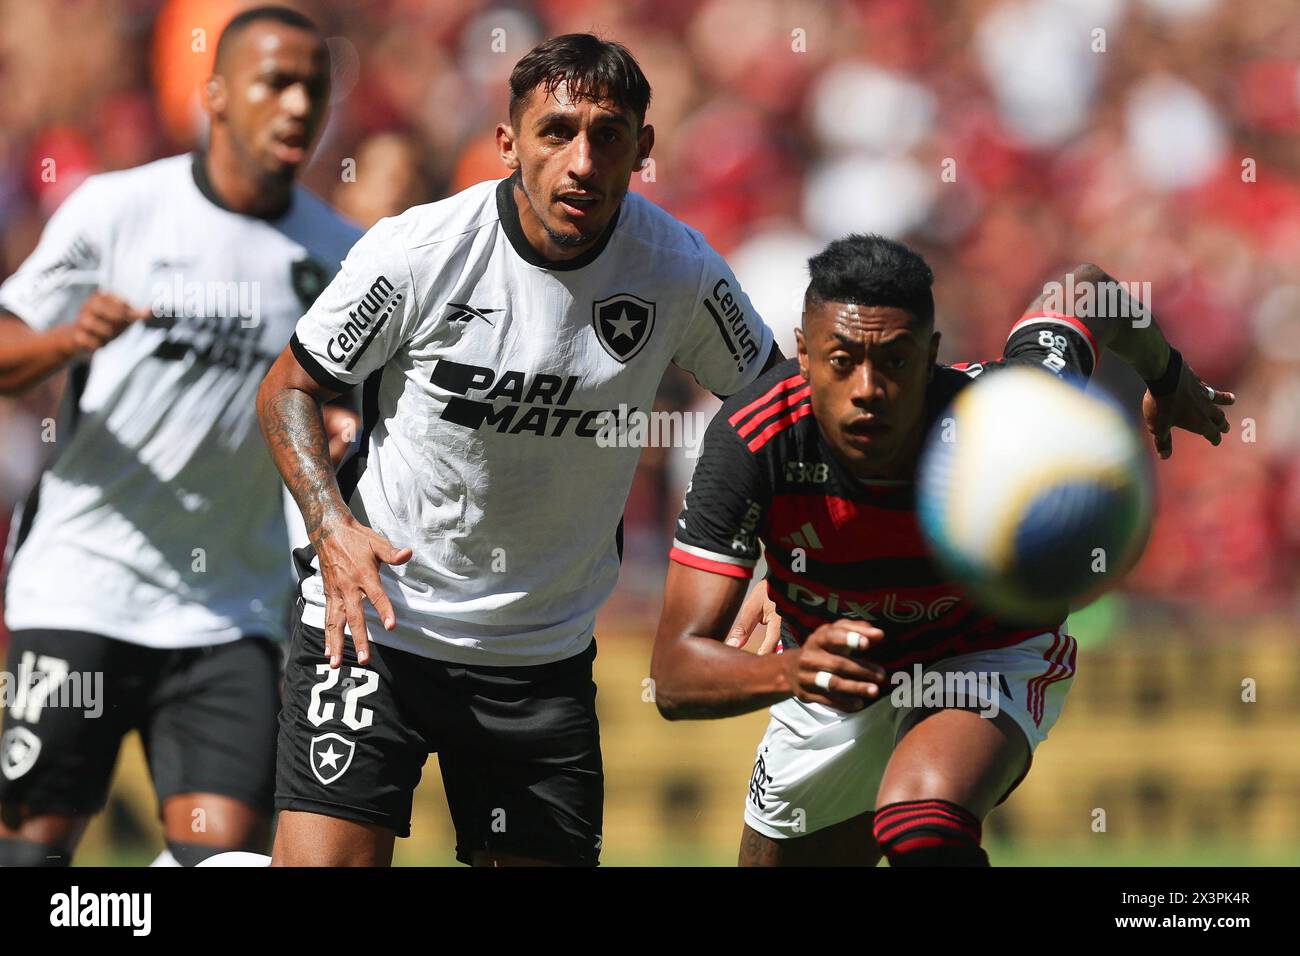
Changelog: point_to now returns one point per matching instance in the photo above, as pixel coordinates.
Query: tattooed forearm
(295, 432)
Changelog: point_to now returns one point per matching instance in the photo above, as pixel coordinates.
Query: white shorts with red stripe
(817, 766)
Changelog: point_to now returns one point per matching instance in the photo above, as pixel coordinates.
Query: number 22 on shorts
(354, 716)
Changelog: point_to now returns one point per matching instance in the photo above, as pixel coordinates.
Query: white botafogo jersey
(489, 373)
(161, 520)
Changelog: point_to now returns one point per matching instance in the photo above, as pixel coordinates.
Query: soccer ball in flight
(1034, 494)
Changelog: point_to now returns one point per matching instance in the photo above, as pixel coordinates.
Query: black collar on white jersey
(200, 169)
(509, 213)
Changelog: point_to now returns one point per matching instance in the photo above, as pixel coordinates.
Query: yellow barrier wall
(1157, 736)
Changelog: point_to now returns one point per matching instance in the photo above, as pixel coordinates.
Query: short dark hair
(872, 270)
(241, 21)
(592, 69)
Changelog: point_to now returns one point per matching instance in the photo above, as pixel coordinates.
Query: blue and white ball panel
(1023, 480)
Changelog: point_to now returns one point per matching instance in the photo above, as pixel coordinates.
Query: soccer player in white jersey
(155, 557)
(494, 332)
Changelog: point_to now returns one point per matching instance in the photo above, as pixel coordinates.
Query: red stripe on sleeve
(765, 398)
(784, 404)
(782, 423)
(704, 564)
(1068, 320)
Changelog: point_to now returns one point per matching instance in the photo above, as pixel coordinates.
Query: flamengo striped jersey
(765, 475)
(488, 374)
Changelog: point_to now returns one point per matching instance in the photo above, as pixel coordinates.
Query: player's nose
(581, 165)
(296, 101)
(866, 385)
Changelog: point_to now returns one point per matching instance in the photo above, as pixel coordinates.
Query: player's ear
(217, 95)
(801, 348)
(506, 146)
(934, 351)
(645, 142)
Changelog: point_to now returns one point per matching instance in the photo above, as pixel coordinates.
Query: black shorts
(206, 716)
(519, 747)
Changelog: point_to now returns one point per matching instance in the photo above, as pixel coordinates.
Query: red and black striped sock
(928, 833)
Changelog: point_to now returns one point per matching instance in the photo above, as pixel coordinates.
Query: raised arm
(1176, 396)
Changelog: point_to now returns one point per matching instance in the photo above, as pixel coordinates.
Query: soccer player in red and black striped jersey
(815, 460)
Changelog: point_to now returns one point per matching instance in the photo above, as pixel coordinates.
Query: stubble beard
(563, 240)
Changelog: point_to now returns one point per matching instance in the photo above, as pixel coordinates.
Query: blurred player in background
(816, 461)
(494, 331)
(153, 550)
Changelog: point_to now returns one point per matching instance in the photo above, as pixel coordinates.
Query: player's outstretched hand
(350, 555)
(757, 609)
(831, 650)
(102, 318)
(1193, 406)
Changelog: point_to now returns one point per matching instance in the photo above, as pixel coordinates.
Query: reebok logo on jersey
(546, 394)
(730, 319)
(366, 319)
(463, 313)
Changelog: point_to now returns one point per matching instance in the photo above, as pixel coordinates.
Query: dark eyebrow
(555, 116)
(276, 68)
(614, 119)
(567, 119)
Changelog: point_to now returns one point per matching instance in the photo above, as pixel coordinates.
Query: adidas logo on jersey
(366, 319)
(805, 537)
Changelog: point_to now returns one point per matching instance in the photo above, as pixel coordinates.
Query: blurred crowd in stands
(1006, 139)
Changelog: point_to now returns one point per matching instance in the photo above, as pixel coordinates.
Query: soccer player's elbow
(667, 697)
(263, 396)
(668, 708)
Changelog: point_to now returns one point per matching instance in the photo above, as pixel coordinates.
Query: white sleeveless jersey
(161, 519)
(488, 374)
